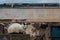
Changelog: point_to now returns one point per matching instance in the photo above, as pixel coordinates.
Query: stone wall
(39, 15)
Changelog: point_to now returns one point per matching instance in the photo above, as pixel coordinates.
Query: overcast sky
(29, 1)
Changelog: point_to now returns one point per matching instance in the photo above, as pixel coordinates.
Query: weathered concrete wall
(42, 15)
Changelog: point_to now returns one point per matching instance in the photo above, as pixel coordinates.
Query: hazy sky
(29, 1)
